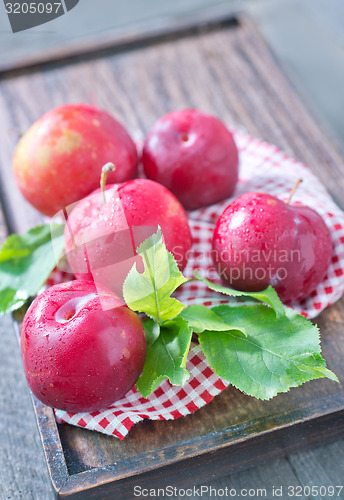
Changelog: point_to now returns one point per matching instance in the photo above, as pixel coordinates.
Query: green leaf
(200, 318)
(166, 355)
(26, 262)
(152, 330)
(269, 295)
(9, 300)
(150, 292)
(276, 355)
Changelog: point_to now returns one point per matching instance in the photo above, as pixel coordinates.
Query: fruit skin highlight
(59, 159)
(259, 240)
(77, 356)
(101, 239)
(194, 156)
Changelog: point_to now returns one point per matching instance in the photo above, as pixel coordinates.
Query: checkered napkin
(264, 168)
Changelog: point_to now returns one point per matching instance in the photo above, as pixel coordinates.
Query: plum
(81, 349)
(259, 240)
(59, 159)
(101, 238)
(194, 155)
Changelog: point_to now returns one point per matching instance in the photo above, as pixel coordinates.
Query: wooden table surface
(94, 25)
(205, 70)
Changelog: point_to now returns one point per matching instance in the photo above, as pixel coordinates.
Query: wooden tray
(229, 72)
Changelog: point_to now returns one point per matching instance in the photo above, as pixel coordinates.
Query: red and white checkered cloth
(265, 168)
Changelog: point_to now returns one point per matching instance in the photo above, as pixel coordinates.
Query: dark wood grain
(263, 480)
(231, 73)
(317, 467)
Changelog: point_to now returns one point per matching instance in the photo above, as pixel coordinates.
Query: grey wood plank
(307, 38)
(258, 482)
(99, 25)
(23, 471)
(265, 479)
(321, 467)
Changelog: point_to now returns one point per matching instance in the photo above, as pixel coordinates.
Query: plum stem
(292, 192)
(108, 167)
(65, 214)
